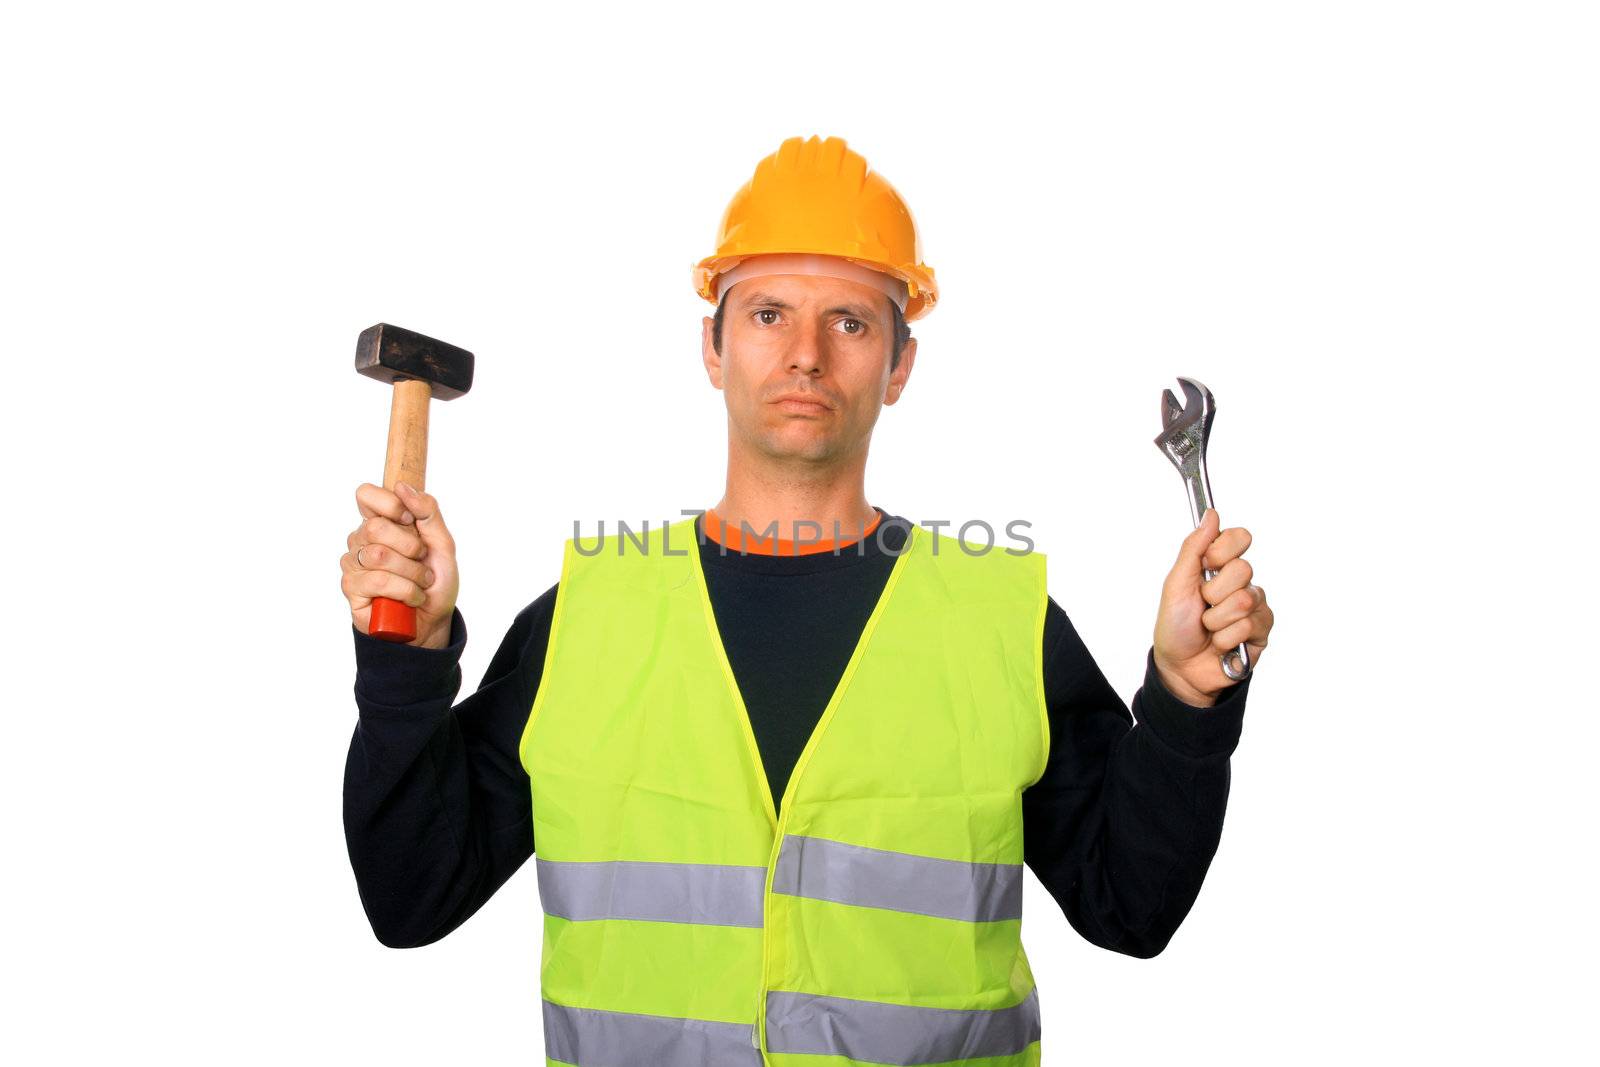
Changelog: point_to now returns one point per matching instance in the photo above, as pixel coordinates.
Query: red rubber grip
(392, 620)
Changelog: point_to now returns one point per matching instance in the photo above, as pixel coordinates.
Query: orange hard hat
(817, 197)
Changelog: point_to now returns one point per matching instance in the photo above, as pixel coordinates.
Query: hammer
(419, 368)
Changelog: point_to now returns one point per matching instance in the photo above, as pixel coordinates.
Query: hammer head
(391, 354)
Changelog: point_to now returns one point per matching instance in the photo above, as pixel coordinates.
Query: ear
(708, 353)
(897, 377)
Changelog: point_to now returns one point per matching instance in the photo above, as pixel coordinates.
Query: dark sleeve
(1123, 824)
(437, 808)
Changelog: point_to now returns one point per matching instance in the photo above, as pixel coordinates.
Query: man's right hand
(403, 551)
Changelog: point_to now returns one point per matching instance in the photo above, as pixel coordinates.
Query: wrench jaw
(1196, 397)
(1171, 410)
(1186, 428)
(1198, 404)
(1199, 407)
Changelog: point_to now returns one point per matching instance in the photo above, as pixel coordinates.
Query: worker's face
(828, 338)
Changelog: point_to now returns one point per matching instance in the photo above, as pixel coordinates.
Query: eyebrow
(860, 311)
(770, 301)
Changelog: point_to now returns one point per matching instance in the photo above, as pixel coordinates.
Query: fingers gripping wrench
(1185, 430)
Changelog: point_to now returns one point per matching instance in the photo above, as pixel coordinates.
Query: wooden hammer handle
(407, 461)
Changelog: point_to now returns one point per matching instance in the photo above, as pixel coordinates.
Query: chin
(788, 444)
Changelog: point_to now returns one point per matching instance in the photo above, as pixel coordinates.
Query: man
(782, 788)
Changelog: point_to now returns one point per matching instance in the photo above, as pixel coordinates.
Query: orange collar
(734, 538)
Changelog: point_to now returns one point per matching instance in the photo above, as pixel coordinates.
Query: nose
(808, 350)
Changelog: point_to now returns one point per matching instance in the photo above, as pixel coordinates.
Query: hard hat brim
(923, 290)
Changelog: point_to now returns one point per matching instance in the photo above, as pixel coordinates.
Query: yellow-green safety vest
(875, 916)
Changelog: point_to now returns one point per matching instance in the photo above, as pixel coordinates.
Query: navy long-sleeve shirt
(1121, 828)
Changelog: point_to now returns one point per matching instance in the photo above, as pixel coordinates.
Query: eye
(761, 316)
(852, 326)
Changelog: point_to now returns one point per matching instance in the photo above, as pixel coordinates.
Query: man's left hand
(1199, 620)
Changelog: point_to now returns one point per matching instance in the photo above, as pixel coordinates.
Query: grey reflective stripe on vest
(893, 1033)
(589, 1037)
(878, 878)
(712, 894)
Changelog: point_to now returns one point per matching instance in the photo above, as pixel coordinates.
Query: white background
(1370, 228)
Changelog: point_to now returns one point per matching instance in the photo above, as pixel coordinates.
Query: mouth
(802, 404)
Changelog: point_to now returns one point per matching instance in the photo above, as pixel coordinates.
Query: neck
(794, 498)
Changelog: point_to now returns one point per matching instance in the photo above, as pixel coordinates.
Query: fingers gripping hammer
(1185, 431)
(419, 368)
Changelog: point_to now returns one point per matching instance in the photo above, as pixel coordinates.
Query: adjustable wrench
(1185, 429)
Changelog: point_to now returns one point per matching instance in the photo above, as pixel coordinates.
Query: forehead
(809, 290)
